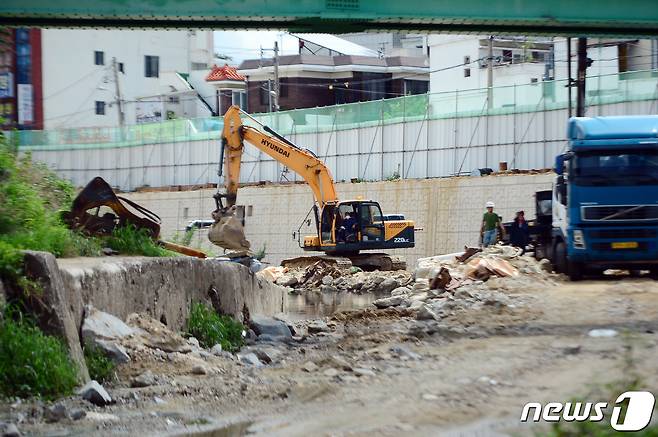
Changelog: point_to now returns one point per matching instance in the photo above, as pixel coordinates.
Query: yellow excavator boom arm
(302, 162)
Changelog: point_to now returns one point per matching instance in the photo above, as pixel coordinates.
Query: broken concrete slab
(95, 393)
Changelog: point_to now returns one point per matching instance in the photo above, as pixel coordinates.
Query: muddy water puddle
(315, 305)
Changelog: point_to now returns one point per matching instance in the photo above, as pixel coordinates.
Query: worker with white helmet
(491, 222)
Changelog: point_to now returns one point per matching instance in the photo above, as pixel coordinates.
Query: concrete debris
(360, 371)
(156, 335)
(386, 302)
(310, 367)
(95, 393)
(316, 326)
(270, 327)
(216, 350)
(330, 372)
(272, 273)
(145, 379)
(113, 351)
(193, 342)
(98, 325)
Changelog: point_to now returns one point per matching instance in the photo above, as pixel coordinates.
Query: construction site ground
(382, 372)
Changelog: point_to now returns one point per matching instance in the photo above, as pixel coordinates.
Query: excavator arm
(301, 161)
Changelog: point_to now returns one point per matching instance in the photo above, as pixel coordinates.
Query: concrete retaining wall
(164, 288)
(448, 209)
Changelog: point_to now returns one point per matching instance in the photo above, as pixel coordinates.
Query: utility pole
(580, 80)
(490, 74)
(117, 91)
(569, 83)
(276, 76)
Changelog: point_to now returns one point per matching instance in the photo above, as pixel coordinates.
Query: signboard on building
(149, 110)
(25, 104)
(6, 85)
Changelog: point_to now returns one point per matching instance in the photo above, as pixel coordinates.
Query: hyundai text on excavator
(344, 228)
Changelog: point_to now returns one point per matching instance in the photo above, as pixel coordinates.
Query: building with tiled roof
(230, 87)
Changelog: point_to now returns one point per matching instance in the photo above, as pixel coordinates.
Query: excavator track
(365, 261)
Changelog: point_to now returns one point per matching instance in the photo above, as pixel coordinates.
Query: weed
(133, 241)
(260, 254)
(32, 363)
(394, 177)
(185, 239)
(210, 328)
(100, 367)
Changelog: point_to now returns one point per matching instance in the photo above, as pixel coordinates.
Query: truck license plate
(625, 245)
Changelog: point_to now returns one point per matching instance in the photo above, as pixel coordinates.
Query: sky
(243, 44)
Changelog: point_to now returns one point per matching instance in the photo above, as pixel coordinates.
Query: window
(239, 98)
(467, 60)
(99, 58)
(250, 210)
(174, 99)
(199, 66)
(100, 108)
(467, 72)
(121, 70)
(151, 66)
(415, 86)
(507, 56)
(283, 87)
(534, 80)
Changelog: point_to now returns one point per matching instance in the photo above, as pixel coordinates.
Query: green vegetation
(100, 367)
(210, 328)
(185, 239)
(132, 241)
(260, 254)
(32, 363)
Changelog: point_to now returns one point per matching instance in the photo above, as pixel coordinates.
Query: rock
(360, 371)
(317, 326)
(546, 265)
(156, 335)
(330, 372)
(109, 251)
(159, 401)
(95, 393)
(599, 333)
(216, 350)
(267, 355)
(340, 363)
(400, 291)
(387, 302)
(426, 313)
(98, 325)
(78, 414)
(266, 325)
(387, 285)
(310, 366)
(287, 281)
(113, 351)
(328, 289)
(199, 370)
(9, 430)
(55, 413)
(250, 359)
(415, 305)
(193, 342)
(462, 294)
(567, 348)
(404, 352)
(429, 397)
(327, 280)
(101, 417)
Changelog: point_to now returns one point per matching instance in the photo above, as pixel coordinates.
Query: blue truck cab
(605, 196)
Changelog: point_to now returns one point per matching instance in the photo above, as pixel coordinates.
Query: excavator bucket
(227, 231)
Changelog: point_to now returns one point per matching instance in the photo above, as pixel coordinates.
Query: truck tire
(562, 264)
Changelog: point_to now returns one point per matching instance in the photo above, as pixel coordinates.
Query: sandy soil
(475, 372)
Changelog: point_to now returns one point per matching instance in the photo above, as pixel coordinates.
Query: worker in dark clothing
(347, 229)
(519, 232)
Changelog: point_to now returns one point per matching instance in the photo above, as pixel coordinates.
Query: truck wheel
(562, 264)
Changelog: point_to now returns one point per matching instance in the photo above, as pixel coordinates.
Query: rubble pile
(444, 285)
(327, 278)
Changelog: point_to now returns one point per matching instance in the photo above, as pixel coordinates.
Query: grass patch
(100, 367)
(130, 240)
(32, 364)
(210, 328)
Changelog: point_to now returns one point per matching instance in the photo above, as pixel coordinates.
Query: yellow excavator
(343, 228)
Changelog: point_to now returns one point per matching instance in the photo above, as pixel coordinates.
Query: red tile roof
(224, 73)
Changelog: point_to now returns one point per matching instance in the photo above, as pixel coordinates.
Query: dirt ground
(381, 372)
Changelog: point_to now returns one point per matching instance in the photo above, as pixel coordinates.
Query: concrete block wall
(448, 209)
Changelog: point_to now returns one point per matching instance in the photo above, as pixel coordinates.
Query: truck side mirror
(561, 188)
(559, 165)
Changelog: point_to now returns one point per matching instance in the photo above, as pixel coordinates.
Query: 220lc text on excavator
(343, 228)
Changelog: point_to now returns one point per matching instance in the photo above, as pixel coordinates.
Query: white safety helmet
(490, 204)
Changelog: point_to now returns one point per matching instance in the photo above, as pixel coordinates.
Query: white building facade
(87, 72)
